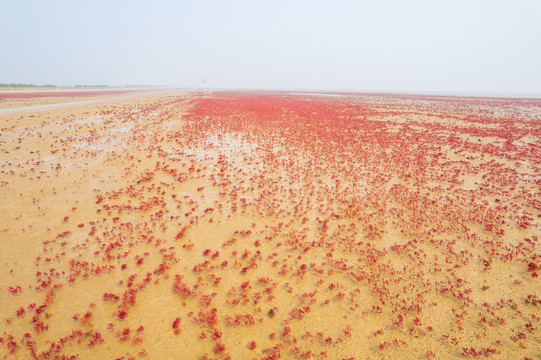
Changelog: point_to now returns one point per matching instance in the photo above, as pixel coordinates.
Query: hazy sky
(467, 46)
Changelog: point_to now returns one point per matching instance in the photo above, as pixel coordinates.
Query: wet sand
(49, 103)
(243, 225)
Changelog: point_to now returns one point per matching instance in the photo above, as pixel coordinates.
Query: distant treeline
(12, 85)
(92, 86)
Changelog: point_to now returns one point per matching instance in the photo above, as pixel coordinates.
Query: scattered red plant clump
(176, 326)
(281, 216)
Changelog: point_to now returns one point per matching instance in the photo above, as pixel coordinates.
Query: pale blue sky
(460, 46)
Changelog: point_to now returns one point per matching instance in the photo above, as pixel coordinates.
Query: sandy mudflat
(172, 225)
(26, 99)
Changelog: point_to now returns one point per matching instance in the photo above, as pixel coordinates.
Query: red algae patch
(271, 225)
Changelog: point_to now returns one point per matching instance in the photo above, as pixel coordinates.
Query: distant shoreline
(22, 93)
(381, 93)
(45, 91)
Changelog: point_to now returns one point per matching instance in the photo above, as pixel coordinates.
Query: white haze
(463, 46)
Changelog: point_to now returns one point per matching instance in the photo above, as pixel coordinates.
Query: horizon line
(477, 94)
